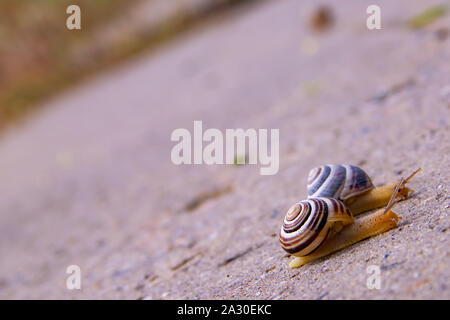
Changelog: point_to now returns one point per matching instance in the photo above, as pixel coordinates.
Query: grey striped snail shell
(310, 222)
(338, 181)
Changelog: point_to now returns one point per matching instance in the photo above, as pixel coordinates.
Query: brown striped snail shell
(338, 181)
(310, 222)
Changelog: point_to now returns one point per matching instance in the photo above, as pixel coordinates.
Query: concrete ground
(89, 180)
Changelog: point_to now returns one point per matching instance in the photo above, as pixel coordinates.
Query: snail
(319, 226)
(353, 187)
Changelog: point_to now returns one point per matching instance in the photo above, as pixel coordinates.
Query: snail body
(362, 228)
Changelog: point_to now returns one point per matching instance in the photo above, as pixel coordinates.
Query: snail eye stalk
(380, 196)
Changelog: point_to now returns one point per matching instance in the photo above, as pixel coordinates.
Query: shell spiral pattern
(338, 181)
(309, 223)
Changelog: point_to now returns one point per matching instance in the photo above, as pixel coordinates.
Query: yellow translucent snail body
(319, 226)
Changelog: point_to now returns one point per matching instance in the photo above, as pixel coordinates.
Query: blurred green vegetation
(36, 48)
(428, 16)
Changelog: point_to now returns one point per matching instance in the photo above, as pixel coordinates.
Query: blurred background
(39, 56)
(85, 123)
